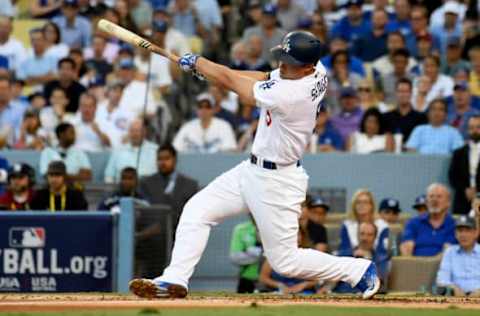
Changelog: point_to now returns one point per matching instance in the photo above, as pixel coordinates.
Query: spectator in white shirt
(114, 120)
(55, 47)
(205, 134)
(441, 85)
(90, 137)
(10, 47)
(55, 114)
(133, 97)
(139, 153)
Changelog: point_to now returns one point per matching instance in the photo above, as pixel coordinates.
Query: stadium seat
(23, 26)
(413, 274)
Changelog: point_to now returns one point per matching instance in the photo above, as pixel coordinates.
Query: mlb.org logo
(27, 237)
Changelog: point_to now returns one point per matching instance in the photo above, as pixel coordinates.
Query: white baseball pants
(273, 197)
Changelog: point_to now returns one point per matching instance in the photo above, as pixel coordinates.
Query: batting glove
(187, 62)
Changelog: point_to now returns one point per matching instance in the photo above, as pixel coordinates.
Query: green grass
(267, 311)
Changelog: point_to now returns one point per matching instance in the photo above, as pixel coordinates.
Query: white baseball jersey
(288, 115)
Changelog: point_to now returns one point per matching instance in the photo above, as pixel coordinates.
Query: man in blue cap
(348, 120)
(353, 25)
(268, 30)
(462, 107)
(389, 210)
(420, 204)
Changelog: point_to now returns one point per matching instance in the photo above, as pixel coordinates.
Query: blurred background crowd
(404, 77)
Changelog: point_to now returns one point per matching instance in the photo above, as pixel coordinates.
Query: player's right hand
(187, 62)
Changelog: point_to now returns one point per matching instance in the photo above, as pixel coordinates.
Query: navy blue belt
(265, 163)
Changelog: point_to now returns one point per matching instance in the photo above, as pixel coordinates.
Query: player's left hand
(187, 62)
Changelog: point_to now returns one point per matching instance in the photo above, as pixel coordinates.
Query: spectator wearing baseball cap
(420, 204)
(461, 108)
(175, 41)
(389, 210)
(205, 134)
(76, 30)
(57, 195)
(459, 267)
(353, 25)
(21, 179)
(271, 34)
(348, 120)
(316, 215)
(453, 61)
(450, 27)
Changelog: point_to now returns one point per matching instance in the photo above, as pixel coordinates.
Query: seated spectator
(371, 137)
(32, 135)
(317, 25)
(389, 211)
(205, 134)
(101, 55)
(246, 252)
(366, 248)
(141, 13)
(384, 64)
(225, 104)
(441, 85)
(350, 116)
(53, 39)
(10, 47)
(10, 115)
(21, 179)
(76, 29)
(267, 29)
(387, 82)
(56, 113)
(436, 137)
(461, 108)
(90, 137)
(402, 22)
(58, 196)
(316, 217)
(429, 234)
(4, 168)
(67, 82)
(463, 173)
(337, 44)
(353, 25)
(453, 62)
(373, 43)
(130, 102)
(114, 120)
(37, 101)
(77, 163)
(289, 14)
(339, 78)
(253, 58)
(126, 188)
(39, 68)
(459, 267)
(474, 77)
(368, 97)
(138, 153)
(325, 137)
(286, 285)
(449, 28)
(17, 93)
(420, 204)
(168, 186)
(362, 210)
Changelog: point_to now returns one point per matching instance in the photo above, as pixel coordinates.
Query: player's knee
(284, 264)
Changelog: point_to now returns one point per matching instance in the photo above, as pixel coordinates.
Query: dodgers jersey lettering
(288, 115)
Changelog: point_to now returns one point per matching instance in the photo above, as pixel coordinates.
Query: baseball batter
(272, 183)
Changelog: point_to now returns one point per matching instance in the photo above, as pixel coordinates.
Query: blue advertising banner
(52, 253)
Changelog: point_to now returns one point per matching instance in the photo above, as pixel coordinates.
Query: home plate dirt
(62, 302)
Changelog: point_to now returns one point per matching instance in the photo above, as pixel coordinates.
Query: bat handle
(174, 58)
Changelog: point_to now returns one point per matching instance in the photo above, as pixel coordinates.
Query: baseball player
(272, 184)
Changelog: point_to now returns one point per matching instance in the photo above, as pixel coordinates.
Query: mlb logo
(27, 237)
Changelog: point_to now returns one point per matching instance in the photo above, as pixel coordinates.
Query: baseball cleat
(369, 283)
(146, 288)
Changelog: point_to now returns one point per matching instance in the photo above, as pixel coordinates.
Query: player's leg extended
(219, 200)
(274, 198)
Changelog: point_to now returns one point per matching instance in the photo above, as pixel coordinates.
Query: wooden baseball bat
(134, 39)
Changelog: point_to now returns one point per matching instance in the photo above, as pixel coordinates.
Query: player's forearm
(257, 75)
(215, 73)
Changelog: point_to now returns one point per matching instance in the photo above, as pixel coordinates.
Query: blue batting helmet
(298, 48)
